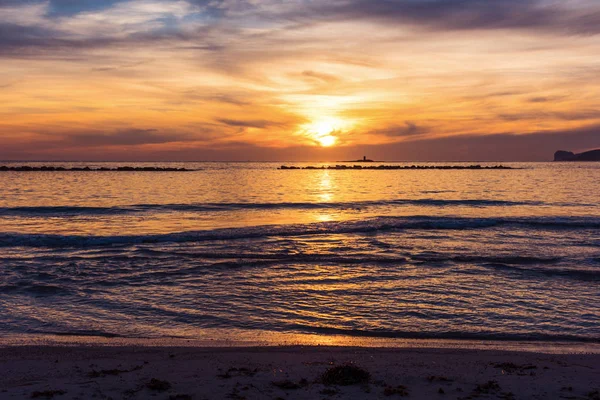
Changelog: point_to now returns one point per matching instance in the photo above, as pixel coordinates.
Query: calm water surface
(484, 254)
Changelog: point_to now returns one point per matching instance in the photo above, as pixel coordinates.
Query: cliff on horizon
(592, 155)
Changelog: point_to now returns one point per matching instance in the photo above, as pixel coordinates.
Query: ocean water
(474, 254)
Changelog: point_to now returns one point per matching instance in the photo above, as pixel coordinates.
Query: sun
(327, 141)
(324, 131)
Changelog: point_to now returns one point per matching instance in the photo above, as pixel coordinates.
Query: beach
(159, 369)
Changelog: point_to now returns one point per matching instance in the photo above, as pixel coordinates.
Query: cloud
(320, 76)
(93, 23)
(575, 115)
(37, 41)
(259, 124)
(122, 66)
(409, 129)
(124, 137)
(229, 99)
(551, 17)
(39, 27)
(545, 99)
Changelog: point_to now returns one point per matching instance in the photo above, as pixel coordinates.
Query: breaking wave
(216, 207)
(356, 226)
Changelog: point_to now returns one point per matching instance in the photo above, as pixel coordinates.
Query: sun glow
(325, 131)
(327, 141)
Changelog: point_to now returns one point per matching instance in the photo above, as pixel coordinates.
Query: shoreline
(291, 372)
(246, 339)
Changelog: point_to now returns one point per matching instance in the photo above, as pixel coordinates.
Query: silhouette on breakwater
(26, 168)
(364, 159)
(411, 167)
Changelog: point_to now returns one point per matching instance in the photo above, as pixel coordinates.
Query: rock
(562, 155)
(592, 155)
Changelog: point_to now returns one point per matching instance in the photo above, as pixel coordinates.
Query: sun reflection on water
(327, 189)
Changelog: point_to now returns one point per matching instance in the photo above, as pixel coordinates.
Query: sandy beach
(137, 371)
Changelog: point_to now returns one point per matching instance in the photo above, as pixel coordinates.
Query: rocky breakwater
(397, 167)
(27, 168)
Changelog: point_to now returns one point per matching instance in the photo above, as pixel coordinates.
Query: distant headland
(592, 155)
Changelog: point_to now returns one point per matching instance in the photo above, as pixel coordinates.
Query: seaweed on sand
(399, 390)
(158, 385)
(47, 394)
(489, 387)
(286, 385)
(180, 397)
(512, 368)
(233, 372)
(344, 375)
(112, 372)
(435, 378)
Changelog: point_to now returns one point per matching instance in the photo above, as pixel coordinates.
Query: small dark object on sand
(47, 394)
(180, 397)
(158, 385)
(286, 385)
(112, 372)
(435, 378)
(490, 386)
(231, 372)
(345, 375)
(595, 395)
(441, 391)
(511, 368)
(399, 390)
(235, 395)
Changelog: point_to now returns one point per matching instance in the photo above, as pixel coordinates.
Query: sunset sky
(298, 79)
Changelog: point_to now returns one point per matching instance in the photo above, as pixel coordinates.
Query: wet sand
(137, 371)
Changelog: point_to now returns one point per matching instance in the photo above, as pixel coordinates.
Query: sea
(479, 254)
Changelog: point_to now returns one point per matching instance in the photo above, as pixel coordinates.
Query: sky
(415, 80)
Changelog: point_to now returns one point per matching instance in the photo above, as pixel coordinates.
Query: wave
(456, 335)
(82, 333)
(377, 224)
(215, 207)
(360, 333)
(35, 289)
(590, 275)
(501, 259)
